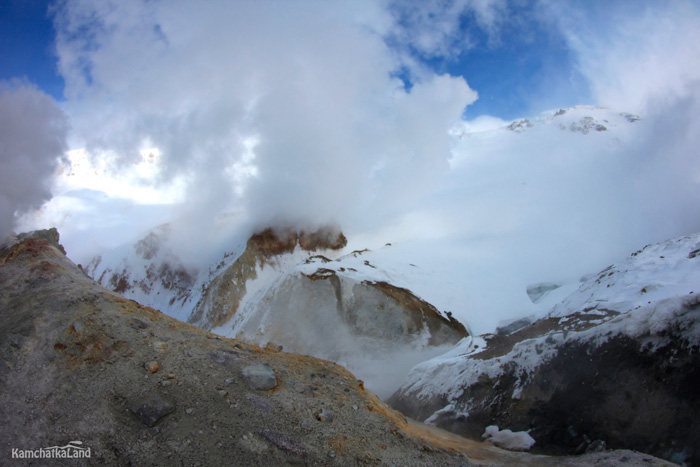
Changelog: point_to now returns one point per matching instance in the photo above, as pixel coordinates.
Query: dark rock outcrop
(618, 391)
(270, 242)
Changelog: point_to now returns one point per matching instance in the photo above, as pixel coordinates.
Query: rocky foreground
(81, 363)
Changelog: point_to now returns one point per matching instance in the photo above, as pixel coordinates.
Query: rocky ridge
(581, 119)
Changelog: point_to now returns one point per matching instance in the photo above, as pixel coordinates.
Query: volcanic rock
(260, 376)
(151, 411)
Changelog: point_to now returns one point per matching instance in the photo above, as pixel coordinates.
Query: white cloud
(32, 139)
(311, 81)
(436, 29)
(635, 58)
(643, 59)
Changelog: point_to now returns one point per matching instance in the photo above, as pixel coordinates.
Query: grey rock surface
(151, 411)
(260, 376)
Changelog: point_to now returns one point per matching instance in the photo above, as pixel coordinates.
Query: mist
(33, 133)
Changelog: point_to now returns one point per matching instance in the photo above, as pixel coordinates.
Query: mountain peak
(275, 241)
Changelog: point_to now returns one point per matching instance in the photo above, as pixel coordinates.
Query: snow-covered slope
(646, 292)
(653, 274)
(627, 336)
(151, 273)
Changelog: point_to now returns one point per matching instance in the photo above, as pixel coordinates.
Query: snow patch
(507, 439)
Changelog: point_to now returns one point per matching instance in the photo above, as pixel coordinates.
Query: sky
(26, 45)
(518, 55)
(303, 112)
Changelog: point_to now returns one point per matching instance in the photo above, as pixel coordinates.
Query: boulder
(260, 376)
